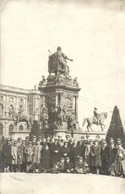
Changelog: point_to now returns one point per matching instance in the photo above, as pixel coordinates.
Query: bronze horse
(92, 121)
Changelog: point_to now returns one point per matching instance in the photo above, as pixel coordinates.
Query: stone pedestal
(59, 97)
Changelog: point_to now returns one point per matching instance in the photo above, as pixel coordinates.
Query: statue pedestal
(59, 94)
(92, 135)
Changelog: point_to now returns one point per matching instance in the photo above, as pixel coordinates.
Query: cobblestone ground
(22, 183)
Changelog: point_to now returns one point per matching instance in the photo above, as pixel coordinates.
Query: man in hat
(120, 159)
(65, 150)
(55, 152)
(7, 157)
(104, 157)
(80, 166)
(74, 152)
(68, 166)
(58, 167)
(97, 156)
(20, 155)
(96, 115)
(29, 155)
(14, 151)
(111, 156)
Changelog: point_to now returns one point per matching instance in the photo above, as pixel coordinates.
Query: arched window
(11, 127)
(1, 110)
(11, 111)
(21, 127)
(1, 129)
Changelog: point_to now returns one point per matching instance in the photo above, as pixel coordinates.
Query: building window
(1, 110)
(11, 98)
(1, 129)
(21, 127)
(21, 100)
(1, 98)
(11, 111)
(11, 127)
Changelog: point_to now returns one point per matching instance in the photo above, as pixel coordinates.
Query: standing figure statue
(58, 62)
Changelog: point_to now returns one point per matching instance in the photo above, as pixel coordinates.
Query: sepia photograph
(62, 92)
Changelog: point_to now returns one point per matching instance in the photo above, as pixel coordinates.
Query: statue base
(76, 134)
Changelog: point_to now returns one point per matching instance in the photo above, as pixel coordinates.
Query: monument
(59, 97)
(59, 93)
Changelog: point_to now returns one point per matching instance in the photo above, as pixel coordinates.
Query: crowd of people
(57, 155)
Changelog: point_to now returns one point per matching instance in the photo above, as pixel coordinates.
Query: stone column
(76, 107)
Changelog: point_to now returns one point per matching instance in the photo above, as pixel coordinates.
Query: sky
(91, 32)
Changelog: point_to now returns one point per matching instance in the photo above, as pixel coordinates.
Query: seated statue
(57, 63)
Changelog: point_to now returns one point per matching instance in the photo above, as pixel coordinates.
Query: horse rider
(96, 115)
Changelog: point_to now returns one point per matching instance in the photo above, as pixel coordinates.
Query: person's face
(62, 160)
(19, 140)
(67, 160)
(61, 143)
(80, 160)
(65, 144)
(30, 144)
(44, 140)
(38, 142)
(34, 139)
(119, 146)
(56, 141)
(9, 142)
(111, 145)
(27, 140)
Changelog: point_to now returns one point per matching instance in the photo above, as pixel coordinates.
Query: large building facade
(14, 101)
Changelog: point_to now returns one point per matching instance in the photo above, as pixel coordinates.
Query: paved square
(22, 183)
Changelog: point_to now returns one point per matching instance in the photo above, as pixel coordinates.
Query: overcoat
(37, 153)
(97, 155)
(20, 154)
(14, 154)
(55, 153)
(29, 154)
(6, 152)
(45, 158)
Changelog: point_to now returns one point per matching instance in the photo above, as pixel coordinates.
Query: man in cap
(14, 150)
(65, 150)
(120, 159)
(55, 152)
(111, 156)
(80, 166)
(20, 155)
(68, 166)
(74, 152)
(58, 167)
(7, 157)
(104, 157)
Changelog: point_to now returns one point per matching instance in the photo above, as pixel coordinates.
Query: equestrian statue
(97, 119)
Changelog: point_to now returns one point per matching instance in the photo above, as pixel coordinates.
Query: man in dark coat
(111, 156)
(58, 167)
(97, 156)
(83, 144)
(45, 157)
(74, 152)
(55, 152)
(65, 150)
(80, 166)
(68, 166)
(104, 158)
(7, 157)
